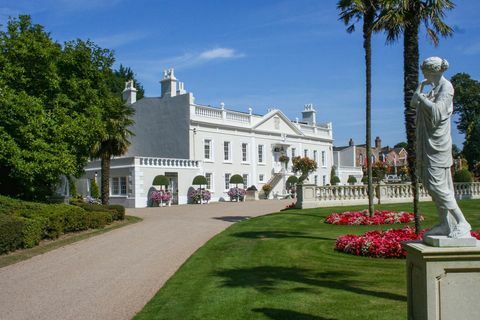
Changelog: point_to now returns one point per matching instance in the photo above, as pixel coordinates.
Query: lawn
(283, 266)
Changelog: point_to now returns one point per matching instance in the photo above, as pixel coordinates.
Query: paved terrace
(113, 275)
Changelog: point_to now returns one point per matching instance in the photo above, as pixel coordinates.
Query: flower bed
(381, 244)
(362, 217)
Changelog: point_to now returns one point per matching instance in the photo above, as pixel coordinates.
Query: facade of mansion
(178, 138)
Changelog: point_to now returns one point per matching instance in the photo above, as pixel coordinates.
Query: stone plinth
(443, 283)
(444, 241)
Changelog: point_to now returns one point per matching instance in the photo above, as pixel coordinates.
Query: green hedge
(117, 211)
(23, 224)
(33, 231)
(10, 233)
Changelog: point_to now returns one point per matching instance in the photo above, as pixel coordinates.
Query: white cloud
(219, 53)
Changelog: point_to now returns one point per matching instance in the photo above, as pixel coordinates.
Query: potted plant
(352, 180)
(267, 188)
(236, 193)
(284, 159)
(201, 180)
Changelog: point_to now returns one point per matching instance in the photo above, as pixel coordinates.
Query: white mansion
(178, 138)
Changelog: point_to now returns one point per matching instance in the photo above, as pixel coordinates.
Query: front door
(173, 185)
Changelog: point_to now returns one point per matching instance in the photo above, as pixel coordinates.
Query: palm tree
(114, 142)
(352, 11)
(404, 17)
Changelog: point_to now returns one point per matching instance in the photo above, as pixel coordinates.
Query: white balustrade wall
(168, 163)
(312, 196)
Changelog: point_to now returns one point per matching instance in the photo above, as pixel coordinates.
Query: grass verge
(283, 266)
(48, 245)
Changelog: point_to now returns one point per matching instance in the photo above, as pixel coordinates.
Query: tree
(48, 96)
(471, 148)
(334, 179)
(352, 11)
(304, 165)
(115, 139)
(122, 75)
(402, 144)
(404, 17)
(467, 105)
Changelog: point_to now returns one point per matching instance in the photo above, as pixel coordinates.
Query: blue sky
(262, 54)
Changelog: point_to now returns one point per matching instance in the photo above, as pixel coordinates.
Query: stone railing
(208, 112)
(168, 163)
(312, 196)
(222, 114)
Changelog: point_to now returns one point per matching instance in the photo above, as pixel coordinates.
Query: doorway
(173, 185)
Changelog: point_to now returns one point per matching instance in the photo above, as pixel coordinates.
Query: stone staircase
(274, 180)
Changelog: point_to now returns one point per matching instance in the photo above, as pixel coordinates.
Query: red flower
(362, 217)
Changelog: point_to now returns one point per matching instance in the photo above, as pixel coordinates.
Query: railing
(237, 116)
(307, 128)
(208, 112)
(169, 163)
(311, 196)
(221, 114)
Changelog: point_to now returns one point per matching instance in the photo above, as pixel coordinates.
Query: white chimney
(181, 88)
(129, 94)
(169, 83)
(309, 114)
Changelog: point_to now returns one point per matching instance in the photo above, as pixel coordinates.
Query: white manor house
(178, 138)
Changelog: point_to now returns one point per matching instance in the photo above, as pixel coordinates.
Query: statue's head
(434, 65)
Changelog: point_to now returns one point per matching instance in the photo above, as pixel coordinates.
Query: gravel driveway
(113, 275)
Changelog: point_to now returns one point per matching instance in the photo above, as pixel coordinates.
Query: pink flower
(362, 218)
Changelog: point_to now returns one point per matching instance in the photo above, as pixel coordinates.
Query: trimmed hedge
(10, 233)
(23, 224)
(117, 211)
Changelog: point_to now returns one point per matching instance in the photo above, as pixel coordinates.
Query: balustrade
(316, 196)
(168, 163)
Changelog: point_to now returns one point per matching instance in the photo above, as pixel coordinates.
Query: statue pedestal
(443, 282)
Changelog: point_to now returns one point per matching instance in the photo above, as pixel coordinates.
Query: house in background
(393, 157)
(179, 138)
(345, 161)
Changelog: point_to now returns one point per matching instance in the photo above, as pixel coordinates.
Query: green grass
(48, 245)
(283, 266)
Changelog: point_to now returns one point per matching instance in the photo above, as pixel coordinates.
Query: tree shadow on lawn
(276, 235)
(232, 218)
(283, 314)
(271, 278)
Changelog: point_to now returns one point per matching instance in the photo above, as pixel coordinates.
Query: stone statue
(434, 148)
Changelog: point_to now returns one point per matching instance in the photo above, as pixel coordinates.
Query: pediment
(276, 121)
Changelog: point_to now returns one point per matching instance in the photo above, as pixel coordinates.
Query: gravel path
(113, 275)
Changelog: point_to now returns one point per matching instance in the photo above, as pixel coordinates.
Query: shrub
(352, 179)
(76, 219)
(120, 211)
(463, 175)
(199, 180)
(160, 180)
(267, 188)
(334, 180)
(94, 192)
(72, 186)
(10, 233)
(236, 179)
(33, 231)
(99, 219)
